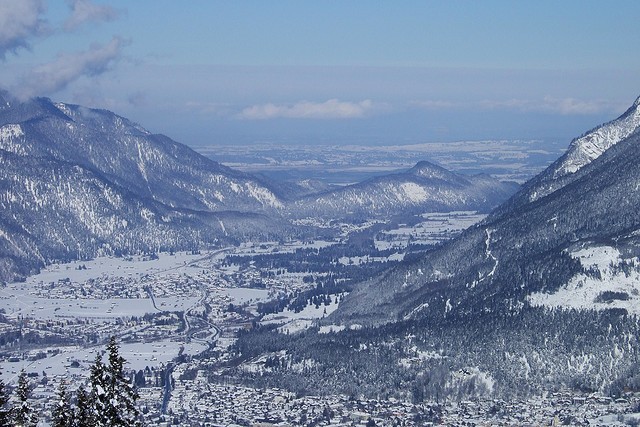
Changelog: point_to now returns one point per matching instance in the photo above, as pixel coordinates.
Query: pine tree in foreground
(98, 401)
(23, 413)
(62, 414)
(83, 415)
(121, 395)
(5, 409)
(112, 399)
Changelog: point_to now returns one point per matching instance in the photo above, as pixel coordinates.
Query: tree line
(108, 399)
(498, 354)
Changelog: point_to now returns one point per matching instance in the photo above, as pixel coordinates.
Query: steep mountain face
(581, 152)
(532, 250)
(151, 166)
(77, 182)
(424, 188)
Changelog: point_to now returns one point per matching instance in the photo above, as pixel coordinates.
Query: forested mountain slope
(523, 248)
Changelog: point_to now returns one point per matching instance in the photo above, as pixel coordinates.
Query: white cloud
(20, 20)
(577, 106)
(66, 68)
(210, 108)
(83, 11)
(331, 109)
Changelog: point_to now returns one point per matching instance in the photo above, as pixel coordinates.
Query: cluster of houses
(195, 401)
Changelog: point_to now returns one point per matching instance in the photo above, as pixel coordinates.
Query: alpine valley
(418, 296)
(78, 182)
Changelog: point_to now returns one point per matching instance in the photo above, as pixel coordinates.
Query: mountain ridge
(580, 153)
(130, 155)
(79, 182)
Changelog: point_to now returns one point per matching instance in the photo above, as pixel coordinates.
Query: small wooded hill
(424, 188)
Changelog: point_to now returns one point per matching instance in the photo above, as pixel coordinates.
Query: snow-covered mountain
(581, 152)
(152, 166)
(76, 182)
(424, 188)
(531, 248)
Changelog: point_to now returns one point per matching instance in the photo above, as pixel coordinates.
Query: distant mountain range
(77, 182)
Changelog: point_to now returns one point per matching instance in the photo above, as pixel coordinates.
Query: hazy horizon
(332, 72)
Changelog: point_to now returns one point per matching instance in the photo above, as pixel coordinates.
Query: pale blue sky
(207, 72)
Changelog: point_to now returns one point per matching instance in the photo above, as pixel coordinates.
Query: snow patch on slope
(586, 149)
(414, 192)
(472, 374)
(8, 136)
(591, 146)
(263, 195)
(610, 281)
(11, 131)
(292, 322)
(63, 107)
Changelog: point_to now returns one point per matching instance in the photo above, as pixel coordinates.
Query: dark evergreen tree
(23, 414)
(84, 415)
(111, 401)
(121, 395)
(5, 408)
(98, 400)
(62, 414)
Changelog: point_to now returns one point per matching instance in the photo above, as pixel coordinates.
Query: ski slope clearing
(610, 281)
(432, 229)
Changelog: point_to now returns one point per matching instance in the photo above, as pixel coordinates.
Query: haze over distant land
(335, 73)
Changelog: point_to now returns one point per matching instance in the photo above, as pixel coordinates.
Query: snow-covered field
(433, 229)
(114, 266)
(137, 355)
(246, 295)
(292, 322)
(19, 303)
(36, 298)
